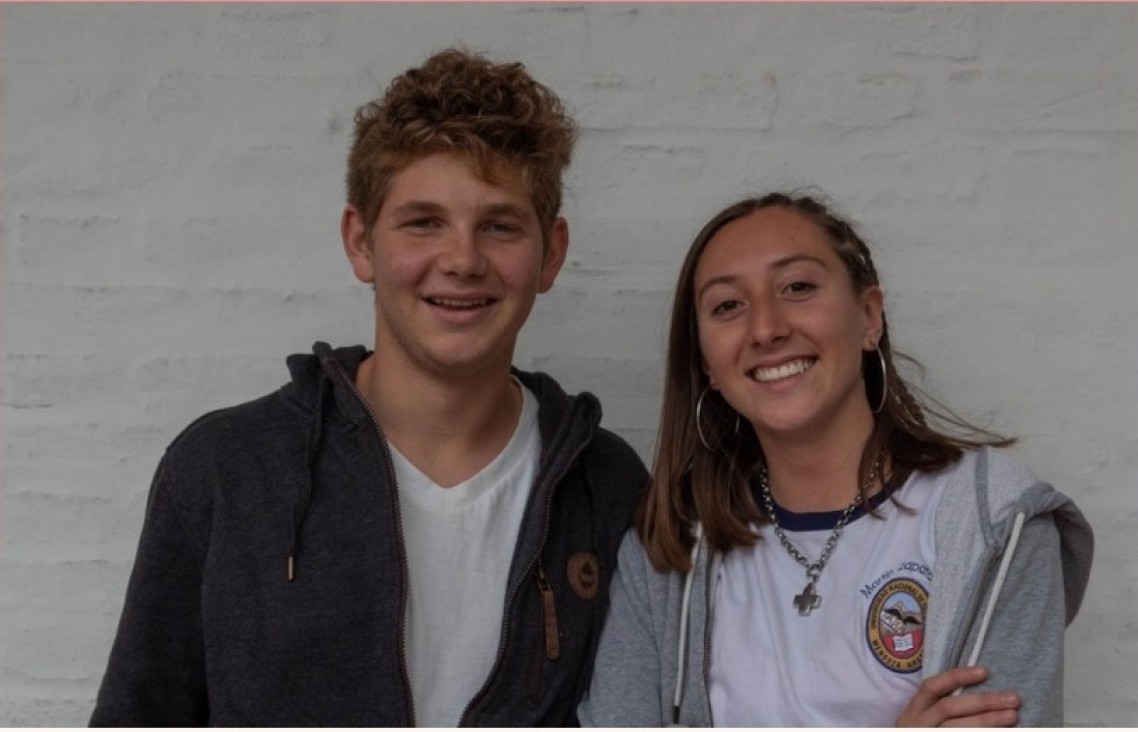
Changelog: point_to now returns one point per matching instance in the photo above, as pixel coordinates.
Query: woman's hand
(935, 706)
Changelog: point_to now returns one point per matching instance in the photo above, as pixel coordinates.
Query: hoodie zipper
(385, 453)
(552, 644)
(548, 615)
(550, 483)
(707, 630)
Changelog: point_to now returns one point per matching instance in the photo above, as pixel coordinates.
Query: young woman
(812, 551)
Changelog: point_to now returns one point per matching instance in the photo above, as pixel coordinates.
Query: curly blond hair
(461, 102)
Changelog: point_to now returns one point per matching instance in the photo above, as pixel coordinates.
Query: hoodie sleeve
(1024, 647)
(625, 689)
(156, 672)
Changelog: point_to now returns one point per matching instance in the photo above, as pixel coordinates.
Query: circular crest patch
(584, 572)
(895, 626)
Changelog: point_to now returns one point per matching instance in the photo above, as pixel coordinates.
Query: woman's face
(781, 329)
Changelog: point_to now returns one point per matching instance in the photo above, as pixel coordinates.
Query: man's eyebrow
(783, 263)
(416, 207)
(430, 207)
(506, 209)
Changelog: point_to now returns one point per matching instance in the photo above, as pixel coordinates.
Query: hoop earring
(699, 420)
(884, 380)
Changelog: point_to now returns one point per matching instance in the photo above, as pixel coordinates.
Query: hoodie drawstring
(311, 451)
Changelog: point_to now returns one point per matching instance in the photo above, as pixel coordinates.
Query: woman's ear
(873, 308)
(707, 372)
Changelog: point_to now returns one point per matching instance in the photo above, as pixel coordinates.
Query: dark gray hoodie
(214, 631)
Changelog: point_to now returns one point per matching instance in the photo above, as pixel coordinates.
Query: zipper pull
(549, 615)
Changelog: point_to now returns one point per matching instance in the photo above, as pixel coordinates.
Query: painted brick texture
(171, 191)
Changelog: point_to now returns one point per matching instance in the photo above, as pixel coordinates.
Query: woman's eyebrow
(726, 279)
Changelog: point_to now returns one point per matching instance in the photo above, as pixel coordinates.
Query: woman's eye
(800, 288)
(725, 307)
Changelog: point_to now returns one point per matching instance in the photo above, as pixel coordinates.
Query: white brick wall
(172, 188)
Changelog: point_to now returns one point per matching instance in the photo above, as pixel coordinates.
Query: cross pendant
(808, 600)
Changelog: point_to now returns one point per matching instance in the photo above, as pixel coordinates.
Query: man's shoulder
(556, 405)
(615, 477)
(259, 423)
(238, 455)
(609, 448)
(612, 470)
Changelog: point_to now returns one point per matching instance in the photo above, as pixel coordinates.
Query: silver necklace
(809, 599)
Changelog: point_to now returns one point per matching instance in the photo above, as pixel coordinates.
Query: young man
(415, 535)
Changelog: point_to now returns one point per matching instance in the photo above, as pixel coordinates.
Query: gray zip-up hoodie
(634, 682)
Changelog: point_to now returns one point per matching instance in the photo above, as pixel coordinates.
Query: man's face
(457, 263)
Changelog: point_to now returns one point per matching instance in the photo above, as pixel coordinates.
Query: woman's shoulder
(636, 567)
(992, 484)
(985, 464)
(992, 487)
(633, 555)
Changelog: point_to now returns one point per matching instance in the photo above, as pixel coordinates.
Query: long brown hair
(712, 483)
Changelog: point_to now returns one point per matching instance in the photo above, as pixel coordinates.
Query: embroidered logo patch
(895, 627)
(584, 574)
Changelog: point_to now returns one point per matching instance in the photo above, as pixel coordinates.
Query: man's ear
(357, 244)
(556, 248)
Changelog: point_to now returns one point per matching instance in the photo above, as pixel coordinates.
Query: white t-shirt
(854, 660)
(460, 543)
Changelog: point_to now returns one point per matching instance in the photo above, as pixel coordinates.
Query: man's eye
(501, 227)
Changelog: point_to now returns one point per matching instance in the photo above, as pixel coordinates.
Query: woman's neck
(819, 474)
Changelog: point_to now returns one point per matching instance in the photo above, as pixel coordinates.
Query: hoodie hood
(309, 371)
(338, 366)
